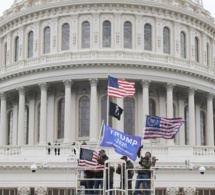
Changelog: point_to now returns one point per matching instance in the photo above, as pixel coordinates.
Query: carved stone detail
(68, 83)
(190, 191)
(41, 190)
(172, 190)
(21, 91)
(145, 83)
(43, 86)
(24, 190)
(93, 82)
(192, 91)
(169, 86)
(51, 90)
(3, 96)
(210, 96)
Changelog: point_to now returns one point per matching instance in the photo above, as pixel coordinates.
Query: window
(186, 114)
(86, 34)
(129, 116)
(16, 49)
(65, 37)
(148, 37)
(183, 44)
(47, 40)
(30, 44)
(10, 128)
(128, 35)
(166, 40)
(26, 124)
(5, 54)
(208, 54)
(202, 127)
(106, 34)
(104, 111)
(60, 121)
(152, 107)
(196, 49)
(84, 116)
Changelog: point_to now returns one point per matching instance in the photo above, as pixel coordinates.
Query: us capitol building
(55, 57)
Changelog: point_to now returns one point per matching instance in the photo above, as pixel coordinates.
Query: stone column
(93, 111)
(210, 121)
(181, 108)
(73, 116)
(192, 129)
(67, 121)
(172, 190)
(169, 104)
(31, 97)
(41, 190)
(43, 114)
(198, 102)
(145, 89)
(21, 117)
(189, 191)
(24, 190)
(3, 126)
(15, 121)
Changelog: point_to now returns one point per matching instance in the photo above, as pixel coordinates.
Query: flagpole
(100, 133)
(107, 122)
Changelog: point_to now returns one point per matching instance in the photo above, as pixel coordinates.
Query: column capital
(145, 83)
(170, 86)
(68, 83)
(3, 96)
(41, 190)
(93, 81)
(210, 96)
(24, 190)
(191, 91)
(21, 90)
(190, 190)
(172, 190)
(43, 86)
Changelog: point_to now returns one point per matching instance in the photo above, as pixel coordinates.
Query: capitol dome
(55, 58)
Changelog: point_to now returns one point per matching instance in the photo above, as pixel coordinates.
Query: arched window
(26, 124)
(203, 128)
(208, 54)
(60, 119)
(104, 111)
(127, 35)
(148, 37)
(5, 54)
(65, 37)
(196, 49)
(84, 116)
(186, 114)
(152, 107)
(16, 49)
(129, 116)
(85, 34)
(30, 44)
(183, 44)
(47, 40)
(106, 34)
(10, 128)
(166, 40)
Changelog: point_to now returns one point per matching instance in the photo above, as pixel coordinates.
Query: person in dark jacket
(145, 163)
(128, 165)
(99, 174)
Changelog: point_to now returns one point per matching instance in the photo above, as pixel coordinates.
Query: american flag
(88, 158)
(118, 88)
(159, 127)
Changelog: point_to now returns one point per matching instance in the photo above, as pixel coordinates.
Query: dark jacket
(101, 161)
(129, 165)
(145, 163)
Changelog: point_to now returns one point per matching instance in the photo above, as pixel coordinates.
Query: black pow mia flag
(115, 110)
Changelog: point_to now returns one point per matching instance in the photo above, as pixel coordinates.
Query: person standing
(128, 165)
(99, 174)
(145, 163)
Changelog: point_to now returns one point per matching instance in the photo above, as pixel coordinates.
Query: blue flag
(123, 144)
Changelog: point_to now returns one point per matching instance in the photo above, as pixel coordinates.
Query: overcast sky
(208, 5)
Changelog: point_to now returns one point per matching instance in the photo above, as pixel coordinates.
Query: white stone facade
(51, 79)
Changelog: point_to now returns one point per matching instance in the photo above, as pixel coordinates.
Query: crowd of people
(94, 179)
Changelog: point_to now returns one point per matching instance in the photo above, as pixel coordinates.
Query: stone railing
(120, 56)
